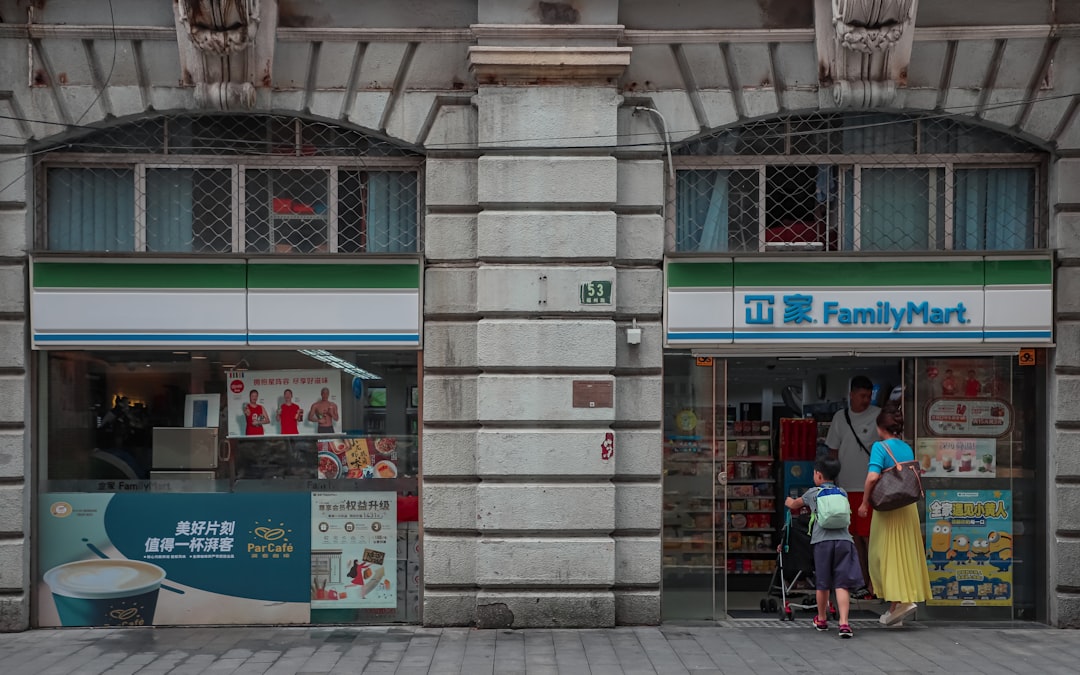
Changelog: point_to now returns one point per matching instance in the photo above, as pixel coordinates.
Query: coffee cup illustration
(105, 592)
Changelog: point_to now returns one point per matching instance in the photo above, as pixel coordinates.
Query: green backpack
(833, 510)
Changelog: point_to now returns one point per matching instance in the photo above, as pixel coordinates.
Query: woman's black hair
(891, 419)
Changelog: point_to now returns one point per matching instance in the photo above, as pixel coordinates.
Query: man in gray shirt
(851, 434)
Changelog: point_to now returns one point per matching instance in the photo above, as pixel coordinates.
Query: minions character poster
(969, 548)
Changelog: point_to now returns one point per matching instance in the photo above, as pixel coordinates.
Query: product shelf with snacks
(720, 506)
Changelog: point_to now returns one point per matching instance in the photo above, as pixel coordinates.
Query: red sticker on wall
(607, 448)
(236, 386)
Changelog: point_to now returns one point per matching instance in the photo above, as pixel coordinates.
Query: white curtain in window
(91, 209)
(993, 209)
(701, 207)
(391, 212)
(169, 217)
(895, 211)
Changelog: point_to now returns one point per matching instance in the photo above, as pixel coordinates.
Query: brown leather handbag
(898, 486)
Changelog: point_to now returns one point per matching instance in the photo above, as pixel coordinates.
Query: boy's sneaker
(845, 631)
(821, 624)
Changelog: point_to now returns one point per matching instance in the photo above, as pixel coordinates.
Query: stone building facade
(545, 129)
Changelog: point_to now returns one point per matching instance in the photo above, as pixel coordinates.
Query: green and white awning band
(226, 303)
(973, 299)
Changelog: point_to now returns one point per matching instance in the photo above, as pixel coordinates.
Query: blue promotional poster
(164, 559)
(969, 550)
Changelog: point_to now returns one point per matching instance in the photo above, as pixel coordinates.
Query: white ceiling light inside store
(339, 363)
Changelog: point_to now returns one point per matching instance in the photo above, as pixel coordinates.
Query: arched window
(226, 184)
(858, 182)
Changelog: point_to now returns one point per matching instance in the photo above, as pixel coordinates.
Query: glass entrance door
(694, 572)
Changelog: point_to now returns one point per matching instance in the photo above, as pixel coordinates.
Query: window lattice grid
(858, 183)
(236, 135)
(857, 208)
(852, 134)
(218, 184)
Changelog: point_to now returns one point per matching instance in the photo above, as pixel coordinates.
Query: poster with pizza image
(284, 402)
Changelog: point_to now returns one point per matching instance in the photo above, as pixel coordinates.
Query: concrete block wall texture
(553, 210)
(1064, 526)
(14, 398)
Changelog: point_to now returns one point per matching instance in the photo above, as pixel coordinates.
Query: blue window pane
(91, 209)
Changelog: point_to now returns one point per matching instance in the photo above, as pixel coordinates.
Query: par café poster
(969, 547)
(166, 559)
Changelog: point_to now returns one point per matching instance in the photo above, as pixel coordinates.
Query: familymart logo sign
(798, 309)
(768, 315)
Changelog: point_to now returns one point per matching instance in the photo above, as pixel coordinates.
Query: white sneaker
(902, 612)
(884, 618)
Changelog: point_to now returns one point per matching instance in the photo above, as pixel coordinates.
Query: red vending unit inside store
(798, 450)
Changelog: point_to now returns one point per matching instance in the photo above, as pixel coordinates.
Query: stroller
(794, 564)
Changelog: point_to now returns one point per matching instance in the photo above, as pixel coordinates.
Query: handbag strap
(885, 444)
(855, 433)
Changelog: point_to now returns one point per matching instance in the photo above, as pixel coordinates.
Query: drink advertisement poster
(957, 457)
(173, 559)
(969, 549)
(353, 550)
(283, 402)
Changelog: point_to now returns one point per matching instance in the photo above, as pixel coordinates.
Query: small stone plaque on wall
(593, 393)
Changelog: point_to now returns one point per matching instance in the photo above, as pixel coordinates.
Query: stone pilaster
(14, 399)
(1063, 528)
(549, 529)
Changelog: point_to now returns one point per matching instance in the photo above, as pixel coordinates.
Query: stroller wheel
(772, 606)
(764, 606)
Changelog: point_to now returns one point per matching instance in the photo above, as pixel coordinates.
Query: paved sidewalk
(733, 647)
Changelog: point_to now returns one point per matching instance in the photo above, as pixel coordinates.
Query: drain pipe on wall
(667, 148)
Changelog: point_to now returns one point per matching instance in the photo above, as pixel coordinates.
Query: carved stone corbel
(226, 49)
(864, 49)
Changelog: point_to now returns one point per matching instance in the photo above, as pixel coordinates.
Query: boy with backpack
(836, 562)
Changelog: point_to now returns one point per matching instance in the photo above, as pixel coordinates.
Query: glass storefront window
(205, 468)
(741, 434)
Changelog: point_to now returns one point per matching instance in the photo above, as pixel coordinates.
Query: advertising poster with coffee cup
(957, 457)
(353, 550)
(284, 402)
(146, 559)
(969, 547)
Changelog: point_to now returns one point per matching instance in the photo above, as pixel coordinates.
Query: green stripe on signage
(318, 276)
(700, 274)
(860, 273)
(138, 275)
(1020, 271)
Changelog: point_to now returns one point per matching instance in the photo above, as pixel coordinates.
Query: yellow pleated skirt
(897, 558)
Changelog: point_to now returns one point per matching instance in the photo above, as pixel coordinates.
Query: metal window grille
(206, 184)
(857, 182)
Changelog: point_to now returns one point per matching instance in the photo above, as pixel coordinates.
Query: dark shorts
(325, 430)
(836, 565)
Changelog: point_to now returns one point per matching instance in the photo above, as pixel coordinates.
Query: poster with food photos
(358, 458)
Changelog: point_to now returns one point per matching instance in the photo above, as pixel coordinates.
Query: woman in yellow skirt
(896, 557)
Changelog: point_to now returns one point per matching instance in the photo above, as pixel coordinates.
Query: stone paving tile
(756, 649)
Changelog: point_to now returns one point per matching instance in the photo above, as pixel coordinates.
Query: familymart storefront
(226, 440)
(760, 354)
